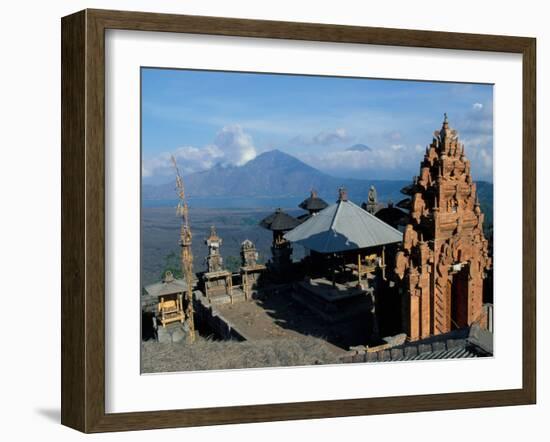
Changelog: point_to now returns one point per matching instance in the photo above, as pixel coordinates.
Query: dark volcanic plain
(160, 237)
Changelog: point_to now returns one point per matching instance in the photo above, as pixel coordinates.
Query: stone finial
(168, 276)
(213, 241)
(372, 195)
(444, 127)
(213, 234)
(342, 194)
(372, 201)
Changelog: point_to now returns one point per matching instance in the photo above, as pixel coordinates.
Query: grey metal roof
(453, 353)
(468, 342)
(343, 226)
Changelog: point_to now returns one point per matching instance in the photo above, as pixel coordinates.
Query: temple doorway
(459, 298)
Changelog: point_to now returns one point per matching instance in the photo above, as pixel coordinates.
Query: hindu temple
(444, 256)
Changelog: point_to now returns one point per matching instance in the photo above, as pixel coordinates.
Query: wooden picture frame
(83, 219)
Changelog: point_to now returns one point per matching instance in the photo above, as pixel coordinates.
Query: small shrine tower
(250, 269)
(217, 281)
(214, 260)
(249, 254)
(444, 254)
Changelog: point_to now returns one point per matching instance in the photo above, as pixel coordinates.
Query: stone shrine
(251, 270)
(214, 260)
(217, 280)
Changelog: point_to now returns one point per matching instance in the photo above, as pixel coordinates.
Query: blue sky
(206, 118)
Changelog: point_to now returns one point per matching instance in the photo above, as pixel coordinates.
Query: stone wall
(207, 314)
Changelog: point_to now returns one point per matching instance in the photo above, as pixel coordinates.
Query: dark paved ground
(278, 315)
(218, 355)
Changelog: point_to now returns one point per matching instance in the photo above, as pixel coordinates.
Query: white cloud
(394, 156)
(479, 150)
(336, 136)
(391, 158)
(236, 145)
(397, 147)
(398, 161)
(324, 138)
(476, 132)
(232, 146)
(190, 159)
(393, 136)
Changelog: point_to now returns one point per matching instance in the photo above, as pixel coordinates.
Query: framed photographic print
(270, 220)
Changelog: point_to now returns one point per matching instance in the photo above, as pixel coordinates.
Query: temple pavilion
(345, 241)
(346, 261)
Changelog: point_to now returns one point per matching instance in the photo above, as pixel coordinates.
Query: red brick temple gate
(445, 255)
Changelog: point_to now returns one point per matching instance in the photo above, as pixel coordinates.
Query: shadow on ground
(51, 414)
(289, 314)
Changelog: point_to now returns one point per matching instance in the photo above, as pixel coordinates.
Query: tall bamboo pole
(186, 253)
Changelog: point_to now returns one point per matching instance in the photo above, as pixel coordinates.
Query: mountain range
(275, 174)
(271, 174)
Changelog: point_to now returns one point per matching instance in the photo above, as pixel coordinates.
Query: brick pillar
(414, 315)
(426, 316)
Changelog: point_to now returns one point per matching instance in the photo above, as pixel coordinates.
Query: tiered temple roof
(279, 221)
(313, 203)
(393, 216)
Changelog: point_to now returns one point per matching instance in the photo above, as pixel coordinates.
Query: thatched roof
(393, 216)
(405, 204)
(279, 221)
(313, 203)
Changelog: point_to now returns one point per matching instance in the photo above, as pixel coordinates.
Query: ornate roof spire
(445, 127)
(213, 234)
